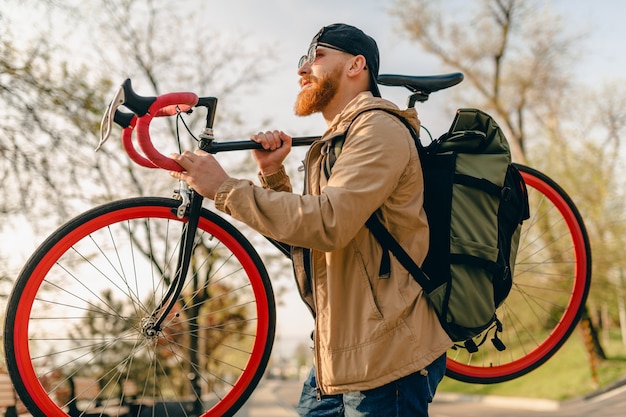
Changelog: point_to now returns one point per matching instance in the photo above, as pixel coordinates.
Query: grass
(566, 375)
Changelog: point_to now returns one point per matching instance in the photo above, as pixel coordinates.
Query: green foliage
(563, 377)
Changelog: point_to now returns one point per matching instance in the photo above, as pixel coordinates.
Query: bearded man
(379, 348)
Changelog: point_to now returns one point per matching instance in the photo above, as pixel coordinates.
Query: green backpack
(475, 201)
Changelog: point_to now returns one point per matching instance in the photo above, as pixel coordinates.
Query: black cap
(353, 41)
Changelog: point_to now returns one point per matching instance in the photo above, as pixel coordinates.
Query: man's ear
(357, 65)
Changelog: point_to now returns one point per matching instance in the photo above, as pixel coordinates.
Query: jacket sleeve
(277, 181)
(374, 158)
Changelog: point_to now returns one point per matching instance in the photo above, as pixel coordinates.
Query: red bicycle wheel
(80, 306)
(550, 285)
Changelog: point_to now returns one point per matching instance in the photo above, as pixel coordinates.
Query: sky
(289, 25)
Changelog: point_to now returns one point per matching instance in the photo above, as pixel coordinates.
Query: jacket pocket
(365, 281)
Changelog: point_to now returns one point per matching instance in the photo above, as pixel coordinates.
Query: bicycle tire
(77, 309)
(551, 282)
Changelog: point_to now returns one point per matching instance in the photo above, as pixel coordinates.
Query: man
(379, 347)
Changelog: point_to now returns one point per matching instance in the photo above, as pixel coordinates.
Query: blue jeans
(407, 397)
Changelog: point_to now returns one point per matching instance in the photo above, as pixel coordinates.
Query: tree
(515, 54)
(516, 64)
(590, 149)
(40, 95)
(54, 101)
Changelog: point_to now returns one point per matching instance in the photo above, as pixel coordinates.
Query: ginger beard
(318, 94)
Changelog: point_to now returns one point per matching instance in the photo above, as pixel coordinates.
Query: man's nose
(304, 69)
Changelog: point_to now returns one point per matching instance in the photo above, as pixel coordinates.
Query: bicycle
(169, 296)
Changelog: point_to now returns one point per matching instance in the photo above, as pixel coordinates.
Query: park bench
(90, 400)
(8, 397)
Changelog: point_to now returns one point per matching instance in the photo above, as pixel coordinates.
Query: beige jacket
(369, 330)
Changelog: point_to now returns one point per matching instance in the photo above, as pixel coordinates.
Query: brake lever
(106, 125)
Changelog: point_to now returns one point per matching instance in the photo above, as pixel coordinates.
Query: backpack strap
(382, 235)
(387, 241)
(334, 149)
(481, 184)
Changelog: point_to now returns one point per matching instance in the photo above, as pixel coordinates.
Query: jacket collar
(365, 101)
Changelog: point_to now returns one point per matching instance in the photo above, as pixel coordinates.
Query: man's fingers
(270, 140)
(199, 152)
(185, 160)
(285, 137)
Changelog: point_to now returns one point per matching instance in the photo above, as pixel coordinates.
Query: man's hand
(201, 171)
(276, 146)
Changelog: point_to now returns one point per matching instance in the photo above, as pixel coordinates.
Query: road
(274, 398)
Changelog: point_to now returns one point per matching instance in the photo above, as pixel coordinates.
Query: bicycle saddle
(423, 84)
(420, 85)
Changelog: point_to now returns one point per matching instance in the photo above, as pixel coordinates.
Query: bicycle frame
(145, 108)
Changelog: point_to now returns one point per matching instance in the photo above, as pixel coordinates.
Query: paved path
(274, 398)
(266, 400)
(608, 403)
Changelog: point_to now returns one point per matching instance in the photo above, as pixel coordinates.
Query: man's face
(319, 81)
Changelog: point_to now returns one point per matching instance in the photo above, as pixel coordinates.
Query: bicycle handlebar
(165, 105)
(144, 109)
(243, 145)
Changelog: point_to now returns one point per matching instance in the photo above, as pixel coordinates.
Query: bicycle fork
(190, 206)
